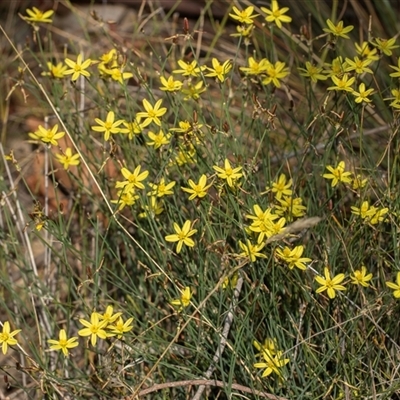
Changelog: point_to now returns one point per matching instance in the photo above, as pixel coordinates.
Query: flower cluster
(370, 214)
(246, 17)
(110, 66)
(332, 284)
(267, 71)
(105, 325)
(346, 73)
(286, 207)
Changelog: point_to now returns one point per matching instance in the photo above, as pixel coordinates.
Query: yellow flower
(379, 216)
(386, 45)
(269, 346)
(159, 139)
(35, 15)
(276, 14)
(293, 207)
(197, 189)
(245, 16)
(282, 187)
(361, 277)
(55, 71)
(184, 127)
(396, 99)
(108, 126)
(109, 315)
(7, 337)
(275, 73)
(293, 257)
(152, 114)
(312, 72)
(243, 31)
(48, 135)
(338, 30)
(125, 198)
(152, 208)
(170, 85)
(358, 66)
(270, 229)
(343, 83)
(183, 300)
(365, 211)
(251, 251)
(397, 69)
(133, 128)
(330, 284)
(256, 68)
(63, 343)
(266, 227)
(77, 68)
(271, 363)
(117, 74)
(261, 216)
(188, 69)
(109, 58)
(185, 156)
(391, 285)
(337, 67)
(193, 91)
(120, 327)
(94, 328)
(67, 158)
(396, 94)
(363, 50)
(337, 174)
(133, 179)
(231, 175)
(362, 95)
(162, 189)
(182, 236)
(218, 70)
(358, 182)
(230, 282)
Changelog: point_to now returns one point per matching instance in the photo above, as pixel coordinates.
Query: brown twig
(207, 382)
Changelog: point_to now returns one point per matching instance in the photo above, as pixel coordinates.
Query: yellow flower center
(329, 284)
(182, 235)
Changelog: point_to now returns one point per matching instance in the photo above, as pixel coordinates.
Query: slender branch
(206, 382)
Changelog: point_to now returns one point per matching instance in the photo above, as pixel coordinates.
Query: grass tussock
(202, 208)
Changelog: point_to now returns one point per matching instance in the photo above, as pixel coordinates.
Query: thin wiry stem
(224, 337)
